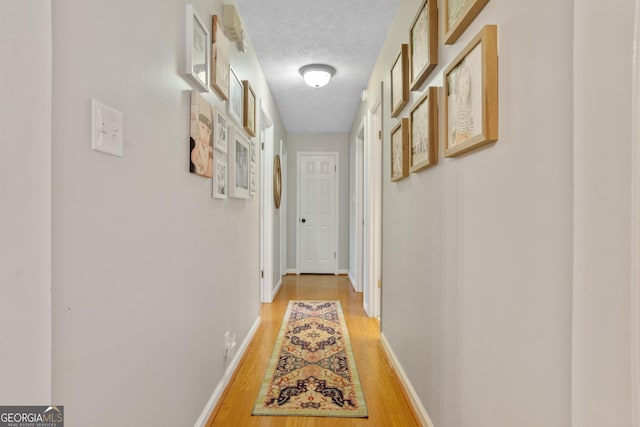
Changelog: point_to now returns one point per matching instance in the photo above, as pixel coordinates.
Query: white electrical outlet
(106, 129)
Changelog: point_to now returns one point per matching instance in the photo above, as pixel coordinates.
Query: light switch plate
(106, 125)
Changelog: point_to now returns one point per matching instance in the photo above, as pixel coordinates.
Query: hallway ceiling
(346, 34)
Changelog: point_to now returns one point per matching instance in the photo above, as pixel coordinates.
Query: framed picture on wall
(423, 131)
(423, 43)
(197, 50)
(400, 81)
(219, 60)
(235, 97)
(200, 136)
(458, 14)
(249, 108)
(471, 95)
(400, 150)
(221, 140)
(240, 169)
(220, 178)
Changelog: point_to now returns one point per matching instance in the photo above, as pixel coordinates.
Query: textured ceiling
(346, 34)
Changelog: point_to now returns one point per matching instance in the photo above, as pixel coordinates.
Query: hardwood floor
(386, 400)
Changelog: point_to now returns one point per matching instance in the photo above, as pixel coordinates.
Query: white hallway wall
(511, 306)
(25, 210)
(148, 270)
(477, 251)
(602, 177)
(318, 142)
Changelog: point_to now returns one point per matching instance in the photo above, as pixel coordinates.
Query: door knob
(303, 220)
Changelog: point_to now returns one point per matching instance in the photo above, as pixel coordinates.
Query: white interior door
(317, 213)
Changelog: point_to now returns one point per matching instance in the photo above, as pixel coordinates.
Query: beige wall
(318, 142)
(477, 251)
(149, 270)
(602, 207)
(25, 207)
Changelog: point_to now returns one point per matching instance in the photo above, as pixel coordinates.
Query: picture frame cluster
(468, 96)
(221, 147)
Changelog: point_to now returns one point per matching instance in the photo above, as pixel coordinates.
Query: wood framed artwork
(220, 178)
(249, 108)
(423, 43)
(235, 97)
(458, 14)
(277, 181)
(400, 81)
(219, 59)
(471, 95)
(220, 139)
(200, 136)
(400, 150)
(239, 168)
(197, 50)
(423, 131)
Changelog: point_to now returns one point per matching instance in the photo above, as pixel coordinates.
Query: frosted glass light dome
(317, 75)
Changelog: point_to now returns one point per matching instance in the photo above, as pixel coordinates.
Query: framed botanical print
(458, 14)
(423, 131)
(201, 136)
(197, 50)
(235, 97)
(471, 95)
(219, 60)
(249, 108)
(423, 43)
(400, 81)
(220, 178)
(240, 170)
(221, 140)
(400, 150)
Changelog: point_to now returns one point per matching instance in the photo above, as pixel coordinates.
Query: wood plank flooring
(386, 400)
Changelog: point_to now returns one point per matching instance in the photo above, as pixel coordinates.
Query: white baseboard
(343, 271)
(292, 271)
(277, 288)
(413, 396)
(354, 283)
(224, 382)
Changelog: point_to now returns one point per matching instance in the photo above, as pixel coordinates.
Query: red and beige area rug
(312, 371)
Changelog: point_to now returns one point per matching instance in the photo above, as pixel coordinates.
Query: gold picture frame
(219, 59)
(400, 150)
(423, 43)
(458, 14)
(249, 109)
(471, 95)
(423, 131)
(400, 81)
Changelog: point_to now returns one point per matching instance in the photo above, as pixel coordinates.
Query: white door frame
(283, 210)
(635, 228)
(266, 208)
(358, 221)
(336, 156)
(372, 263)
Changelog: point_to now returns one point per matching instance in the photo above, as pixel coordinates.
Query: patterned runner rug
(312, 371)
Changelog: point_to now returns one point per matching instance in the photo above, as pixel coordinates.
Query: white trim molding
(292, 271)
(226, 378)
(411, 392)
(343, 271)
(634, 312)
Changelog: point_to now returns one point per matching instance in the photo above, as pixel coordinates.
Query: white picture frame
(236, 95)
(221, 133)
(239, 164)
(220, 178)
(198, 46)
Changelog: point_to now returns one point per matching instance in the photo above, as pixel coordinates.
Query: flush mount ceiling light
(317, 75)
